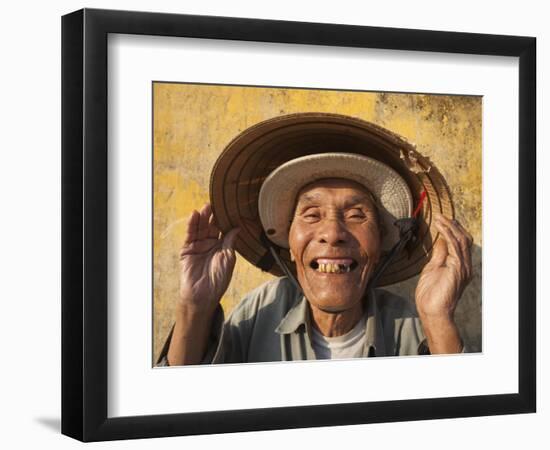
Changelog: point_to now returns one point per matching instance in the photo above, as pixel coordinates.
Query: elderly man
(335, 229)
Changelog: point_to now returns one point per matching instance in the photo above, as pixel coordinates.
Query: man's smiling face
(334, 240)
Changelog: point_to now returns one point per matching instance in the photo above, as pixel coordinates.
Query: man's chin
(332, 310)
(333, 293)
(334, 304)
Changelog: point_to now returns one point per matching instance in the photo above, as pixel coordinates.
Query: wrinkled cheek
(301, 273)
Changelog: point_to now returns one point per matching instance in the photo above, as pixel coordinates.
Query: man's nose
(333, 232)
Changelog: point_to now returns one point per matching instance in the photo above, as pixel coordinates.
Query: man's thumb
(230, 237)
(439, 253)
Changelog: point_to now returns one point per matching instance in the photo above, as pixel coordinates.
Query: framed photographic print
(274, 224)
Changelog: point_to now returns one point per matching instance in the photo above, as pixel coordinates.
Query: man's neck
(335, 324)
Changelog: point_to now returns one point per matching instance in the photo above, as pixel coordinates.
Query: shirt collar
(298, 316)
(374, 332)
(295, 317)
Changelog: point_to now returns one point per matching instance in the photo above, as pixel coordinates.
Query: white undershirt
(349, 345)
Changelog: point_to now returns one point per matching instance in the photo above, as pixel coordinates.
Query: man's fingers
(192, 227)
(464, 240)
(459, 249)
(230, 237)
(439, 254)
(213, 230)
(453, 247)
(462, 236)
(201, 225)
(467, 236)
(203, 228)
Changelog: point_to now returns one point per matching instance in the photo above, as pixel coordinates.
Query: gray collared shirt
(272, 323)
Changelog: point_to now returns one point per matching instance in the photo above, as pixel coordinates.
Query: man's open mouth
(333, 265)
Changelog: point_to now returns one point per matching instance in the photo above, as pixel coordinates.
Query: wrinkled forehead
(315, 190)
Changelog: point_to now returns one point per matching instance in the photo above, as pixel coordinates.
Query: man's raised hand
(207, 260)
(441, 284)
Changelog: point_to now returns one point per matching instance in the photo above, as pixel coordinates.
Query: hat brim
(279, 191)
(256, 152)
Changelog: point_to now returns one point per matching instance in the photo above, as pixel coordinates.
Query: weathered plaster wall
(193, 123)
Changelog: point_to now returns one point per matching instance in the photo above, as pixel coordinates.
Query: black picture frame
(84, 224)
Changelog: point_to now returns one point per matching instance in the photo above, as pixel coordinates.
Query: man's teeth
(333, 268)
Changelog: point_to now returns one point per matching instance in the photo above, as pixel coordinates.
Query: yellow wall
(193, 123)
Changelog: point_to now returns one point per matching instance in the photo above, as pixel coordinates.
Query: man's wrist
(193, 314)
(190, 337)
(436, 321)
(442, 334)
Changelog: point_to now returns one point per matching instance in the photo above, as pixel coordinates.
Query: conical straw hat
(300, 148)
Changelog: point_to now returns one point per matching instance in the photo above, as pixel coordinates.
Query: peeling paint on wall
(193, 123)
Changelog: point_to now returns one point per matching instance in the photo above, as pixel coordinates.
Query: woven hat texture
(256, 152)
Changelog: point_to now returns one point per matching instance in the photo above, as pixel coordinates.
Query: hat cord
(284, 268)
(407, 231)
(266, 262)
(408, 228)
